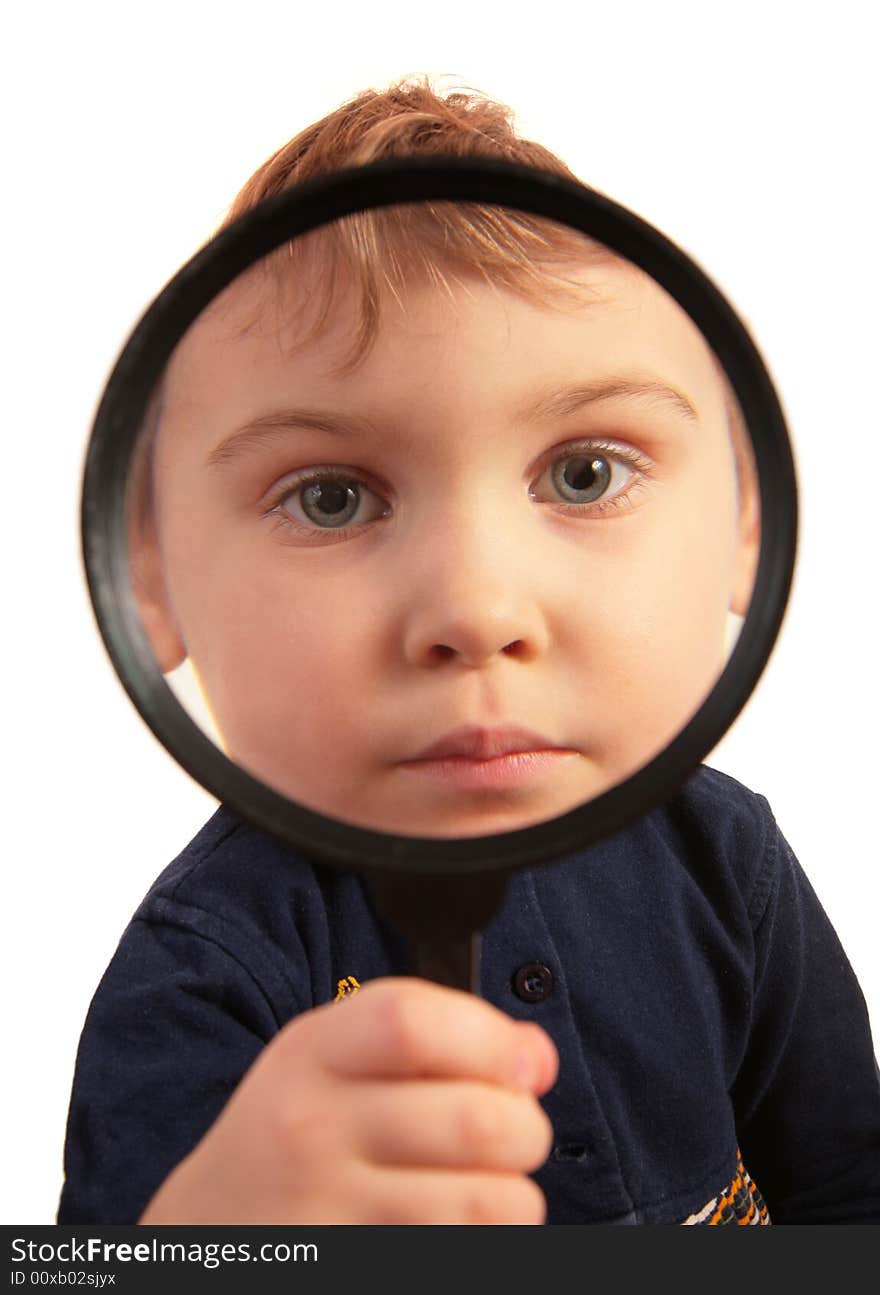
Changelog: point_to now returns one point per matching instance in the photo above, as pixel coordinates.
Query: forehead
(458, 343)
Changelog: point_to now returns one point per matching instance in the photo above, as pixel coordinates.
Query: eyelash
(641, 466)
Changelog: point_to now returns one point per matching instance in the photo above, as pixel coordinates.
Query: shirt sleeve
(808, 1091)
(174, 1025)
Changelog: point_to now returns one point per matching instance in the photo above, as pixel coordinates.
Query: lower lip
(516, 769)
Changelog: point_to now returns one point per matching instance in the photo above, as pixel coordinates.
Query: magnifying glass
(451, 568)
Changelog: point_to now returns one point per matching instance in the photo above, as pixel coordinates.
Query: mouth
(474, 758)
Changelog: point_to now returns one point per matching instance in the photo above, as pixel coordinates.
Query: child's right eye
(329, 501)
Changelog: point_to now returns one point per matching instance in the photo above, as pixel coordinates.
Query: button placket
(523, 976)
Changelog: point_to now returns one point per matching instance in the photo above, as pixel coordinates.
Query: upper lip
(477, 743)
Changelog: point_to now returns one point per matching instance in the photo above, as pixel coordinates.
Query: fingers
(401, 1028)
(408, 1103)
(432, 1196)
(464, 1125)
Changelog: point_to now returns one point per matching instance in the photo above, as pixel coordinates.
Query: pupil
(331, 497)
(589, 477)
(581, 474)
(330, 503)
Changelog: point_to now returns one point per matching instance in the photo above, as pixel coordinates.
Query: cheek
(651, 636)
(690, 571)
(282, 656)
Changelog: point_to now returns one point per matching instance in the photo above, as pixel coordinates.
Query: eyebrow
(258, 433)
(569, 400)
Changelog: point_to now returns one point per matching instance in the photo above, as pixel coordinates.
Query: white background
(747, 133)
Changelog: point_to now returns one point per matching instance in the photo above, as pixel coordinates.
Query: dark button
(569, 1151)
(533, 982)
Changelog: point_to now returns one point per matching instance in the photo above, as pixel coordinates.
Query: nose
(472, 602)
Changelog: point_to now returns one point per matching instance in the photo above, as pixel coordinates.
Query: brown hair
(380, 251)
(408, 119)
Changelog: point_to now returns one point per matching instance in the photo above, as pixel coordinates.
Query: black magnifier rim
(142, 361)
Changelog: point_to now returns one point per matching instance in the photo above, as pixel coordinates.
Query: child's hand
(406, 1103)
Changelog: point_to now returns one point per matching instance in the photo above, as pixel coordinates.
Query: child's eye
(593, 476)
(329, 501)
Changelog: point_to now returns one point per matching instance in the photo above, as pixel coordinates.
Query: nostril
(515, 649)
(441, 652)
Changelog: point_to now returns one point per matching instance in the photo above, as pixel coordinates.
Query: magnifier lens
(443, 519)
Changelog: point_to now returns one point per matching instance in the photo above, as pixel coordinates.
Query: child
(525, 619)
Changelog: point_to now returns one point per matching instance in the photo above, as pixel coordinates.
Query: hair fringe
(381, 251)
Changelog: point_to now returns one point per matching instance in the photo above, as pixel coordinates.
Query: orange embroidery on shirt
(346, 987)
(740, 1203)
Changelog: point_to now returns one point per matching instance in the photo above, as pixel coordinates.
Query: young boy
(451, 545)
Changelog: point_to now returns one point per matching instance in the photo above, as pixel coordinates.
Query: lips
(490, 762)
(475, 743)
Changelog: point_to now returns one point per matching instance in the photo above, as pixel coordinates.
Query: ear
(151, 596)
(748, 551)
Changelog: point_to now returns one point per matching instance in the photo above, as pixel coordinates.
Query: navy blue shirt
(714, 1044)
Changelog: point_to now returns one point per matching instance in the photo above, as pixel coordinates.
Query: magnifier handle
(441, 917)
(454, 962)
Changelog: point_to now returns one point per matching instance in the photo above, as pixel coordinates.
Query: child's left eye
(591, 477)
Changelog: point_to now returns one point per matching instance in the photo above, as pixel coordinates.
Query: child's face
(511, 527)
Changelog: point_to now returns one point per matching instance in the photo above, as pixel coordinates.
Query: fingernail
(536, 1063)
(529, 1063)
(525, 1067)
